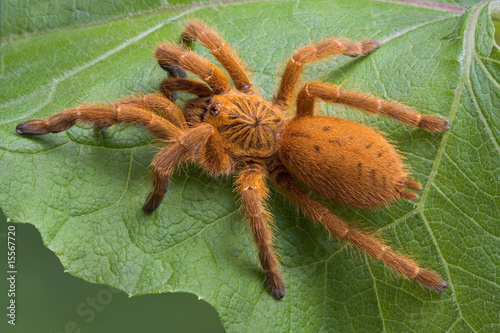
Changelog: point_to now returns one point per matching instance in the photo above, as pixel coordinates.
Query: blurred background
(49, 300)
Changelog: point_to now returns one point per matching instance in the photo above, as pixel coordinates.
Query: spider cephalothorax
(248, 125)
(229, 130)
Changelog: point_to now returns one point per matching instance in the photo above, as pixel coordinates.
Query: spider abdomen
(345, 162)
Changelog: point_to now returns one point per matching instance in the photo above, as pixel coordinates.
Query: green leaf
(84, 189)
(23, 16)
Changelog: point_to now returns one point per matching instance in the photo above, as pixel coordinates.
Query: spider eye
(215, 109)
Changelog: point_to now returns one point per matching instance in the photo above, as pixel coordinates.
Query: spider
(234, 131)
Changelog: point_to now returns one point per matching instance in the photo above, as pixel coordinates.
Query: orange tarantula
(229, 131)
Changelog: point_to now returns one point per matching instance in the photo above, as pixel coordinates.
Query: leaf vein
(481, 115)
(463, 213)
(375, 288)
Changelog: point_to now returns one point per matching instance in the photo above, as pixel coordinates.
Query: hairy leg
(103, 117)
(369, 244)
(214, 158)
(312, 53)
(254, 193)
(332, 93)
(160, 104)
(174, 55)
(173, 72)
(195, 110)
(181, 150)
(172, 85)
(197, 31)
(161, 182)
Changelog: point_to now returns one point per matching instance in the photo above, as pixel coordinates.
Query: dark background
(47, 299)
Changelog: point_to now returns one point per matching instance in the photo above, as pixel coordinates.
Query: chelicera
(234, 131)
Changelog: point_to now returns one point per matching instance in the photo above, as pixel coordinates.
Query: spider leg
(161, 182)
(164, 164)
(163, 107)
(195, 110)
(181, 150)
(214, 158)
(197, 31)
(174, 55)
(400, 112)
(311, 53)
(172, 85)
(105, 116)
(253, 191)
(173, 71)
(195, 107)
(369, 244)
